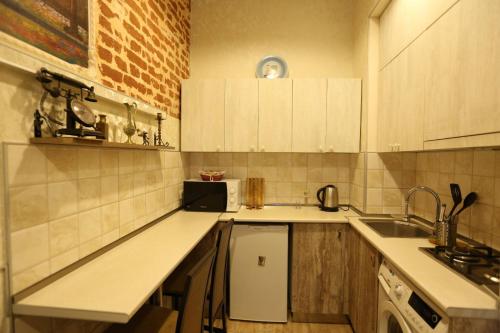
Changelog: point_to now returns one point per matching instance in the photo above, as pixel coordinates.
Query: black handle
(321, 200)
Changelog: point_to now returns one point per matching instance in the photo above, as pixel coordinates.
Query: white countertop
(113, 286)
(453, 294)
(289, 214)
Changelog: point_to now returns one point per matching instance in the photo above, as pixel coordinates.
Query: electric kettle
(328, 198)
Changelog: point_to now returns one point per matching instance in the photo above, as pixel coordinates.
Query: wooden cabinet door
(343, 117)
(275, 115)
(388, 120)
(309, 115)
(363, 264)
(462, 90)
(202, 117)
(241, 115)
(318, 268)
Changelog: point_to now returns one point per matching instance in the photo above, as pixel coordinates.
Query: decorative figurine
(37, 124)
(158, 141)
(145, 137)
(130, 128)
(102, 126)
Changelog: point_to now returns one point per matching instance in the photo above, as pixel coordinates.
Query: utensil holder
(446, 231)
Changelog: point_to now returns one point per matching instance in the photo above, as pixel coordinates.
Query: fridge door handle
(262, 261)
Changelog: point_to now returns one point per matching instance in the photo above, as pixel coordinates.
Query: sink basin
(396, 229)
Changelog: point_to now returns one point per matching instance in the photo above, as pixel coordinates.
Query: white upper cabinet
(343, 116)
(202, 124)
(309, 115)
(275, 115)
(241, 115)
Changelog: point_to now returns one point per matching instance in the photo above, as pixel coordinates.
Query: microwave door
(207, 197)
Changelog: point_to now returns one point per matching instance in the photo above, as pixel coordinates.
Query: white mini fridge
(258, 278)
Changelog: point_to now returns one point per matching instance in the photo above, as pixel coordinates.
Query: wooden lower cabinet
(318, 271)
(363, 264)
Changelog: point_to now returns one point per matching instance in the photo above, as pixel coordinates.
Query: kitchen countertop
(113, 286)
(455, 295)
(289, 214)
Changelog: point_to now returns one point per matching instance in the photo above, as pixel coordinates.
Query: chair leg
(224, 318)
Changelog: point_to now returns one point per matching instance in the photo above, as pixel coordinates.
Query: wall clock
(272, 67)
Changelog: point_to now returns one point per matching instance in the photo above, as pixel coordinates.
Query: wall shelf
(84, 142)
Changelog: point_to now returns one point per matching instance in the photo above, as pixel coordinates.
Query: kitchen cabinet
(462, 91)
(363, 263)
(275, 115)
(202, 124)
(318, 269)
(309, 115)
(241, 115)
(343, 116)
(401, 102)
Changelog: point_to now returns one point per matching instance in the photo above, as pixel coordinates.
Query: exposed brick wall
(143, 49)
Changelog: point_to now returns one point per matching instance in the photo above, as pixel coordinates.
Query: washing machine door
(390, 320)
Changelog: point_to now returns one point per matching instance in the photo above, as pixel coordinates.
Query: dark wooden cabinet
(363, 263)
(318, 270)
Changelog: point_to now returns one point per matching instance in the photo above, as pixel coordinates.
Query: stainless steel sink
(396, 229)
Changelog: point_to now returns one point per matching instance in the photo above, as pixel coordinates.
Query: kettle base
(329, 209)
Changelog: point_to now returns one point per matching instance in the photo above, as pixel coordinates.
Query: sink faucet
(414, 189)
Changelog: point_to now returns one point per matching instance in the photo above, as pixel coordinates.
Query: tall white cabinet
(241, 115)
(275, 115)
(202, 123)
(309, 115)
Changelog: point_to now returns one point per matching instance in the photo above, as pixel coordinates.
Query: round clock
(272, 67)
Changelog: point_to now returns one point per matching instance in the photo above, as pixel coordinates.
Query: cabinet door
(241, 115)
(202, 118)
(462, 90)
(387, 109)
(363, 264)
(309, 115)
(318, 269)
(275, 115)
(343, 115)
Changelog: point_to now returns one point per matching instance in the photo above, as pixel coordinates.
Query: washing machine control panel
(421, 316)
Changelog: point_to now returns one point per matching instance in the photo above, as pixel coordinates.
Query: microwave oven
(212, 196)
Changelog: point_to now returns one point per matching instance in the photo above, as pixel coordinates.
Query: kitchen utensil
(328, 198)
(468, 201)
(255, 193)
(456, 194)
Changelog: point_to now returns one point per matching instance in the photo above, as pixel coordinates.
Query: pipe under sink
(396, 229)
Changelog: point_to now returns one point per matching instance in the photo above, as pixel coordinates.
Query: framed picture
(58, 27)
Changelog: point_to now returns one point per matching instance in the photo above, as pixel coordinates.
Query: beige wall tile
(63, 199)
(89, 224)
(314, 161)
(374, 197)
(409, 161)
(89, 193)
(63, 260)
(154, 180)
(314, 174)
(63, 234)
(343, 175)
(392, 161)
(484, 163)
(485, 188)
(26, 164)
(153, 160)
(139, 183)
(392, 197)
(28, 206)
(90, 247)
(109, 189)
(125, 186)
(447, 162)
(125, 162)
(299, 160)
(393, 178)
(23, 256)
(29, 277)
(110, 237)
(110, 217)
(89, 164)
(109, 162)
(139, 161)
(343, 160)
(283, 189)
(62, 164)
(126, 211)
(463, 162)
(139, 206)
(374, 162)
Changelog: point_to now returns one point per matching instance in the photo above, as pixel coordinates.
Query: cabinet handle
(252, 148)
(320, 149)
(218, 148)
(262, 149)
(331, 148)
(339, 234)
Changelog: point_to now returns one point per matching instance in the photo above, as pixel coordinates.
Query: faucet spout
(415, 189)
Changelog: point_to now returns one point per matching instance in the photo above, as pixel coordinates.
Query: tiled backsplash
(289, 177)
(68, 202)
(390, 175)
